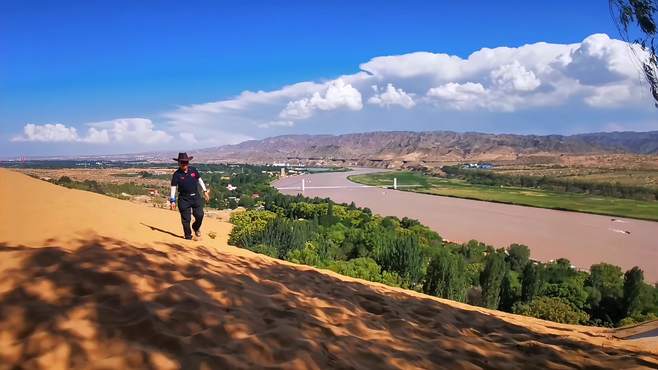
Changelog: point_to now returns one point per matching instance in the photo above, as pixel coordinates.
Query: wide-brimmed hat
(183, 157)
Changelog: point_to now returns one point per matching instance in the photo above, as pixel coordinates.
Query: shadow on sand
(162, 231)
(111, 304)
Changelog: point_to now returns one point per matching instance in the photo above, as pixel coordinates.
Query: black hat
(183, 157)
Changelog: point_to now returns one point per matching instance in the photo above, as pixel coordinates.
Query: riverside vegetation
(246, 181)
(404, 253)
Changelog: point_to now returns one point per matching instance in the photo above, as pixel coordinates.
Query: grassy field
(512, 195)
(647, 178)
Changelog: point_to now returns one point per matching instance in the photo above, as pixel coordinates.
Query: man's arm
(206, 193)
(172, 196)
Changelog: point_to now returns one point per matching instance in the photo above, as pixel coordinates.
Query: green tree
(510, 291)
(553, 309)
(247, 224)
(518, 256)
(286, 235)
(308, 255)
(365, 268)
(329, 218)
(572, 290)
(532, 281)
(409, 222)
(473, 271)
(402, 255)
(246, 201)
(445, 276)
(491, 279)
(605, 286)
(558, 271)
(607, 279)
(474, 251)
(64, 180)
(633, 286)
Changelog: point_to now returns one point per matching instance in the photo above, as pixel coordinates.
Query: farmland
(458, 188)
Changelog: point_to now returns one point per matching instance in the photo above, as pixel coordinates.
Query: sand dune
(90, 282)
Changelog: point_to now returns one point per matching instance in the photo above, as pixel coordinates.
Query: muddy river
(583, 238)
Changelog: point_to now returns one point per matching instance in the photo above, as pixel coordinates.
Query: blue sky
(138, 75)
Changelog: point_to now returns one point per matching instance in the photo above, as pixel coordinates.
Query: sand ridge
(99, 290)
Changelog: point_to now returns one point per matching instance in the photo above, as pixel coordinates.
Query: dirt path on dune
(99, 292)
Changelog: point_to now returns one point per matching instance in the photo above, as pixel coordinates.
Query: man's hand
(172, 206)
(206, 195)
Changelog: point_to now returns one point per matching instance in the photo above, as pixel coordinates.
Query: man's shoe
(188, 238)
(197, 234)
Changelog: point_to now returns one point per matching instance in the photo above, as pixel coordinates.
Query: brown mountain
(428, 147)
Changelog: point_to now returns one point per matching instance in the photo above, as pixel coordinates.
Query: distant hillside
(435, 146)
(630, 142)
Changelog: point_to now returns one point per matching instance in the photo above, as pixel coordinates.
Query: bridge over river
(583, 238)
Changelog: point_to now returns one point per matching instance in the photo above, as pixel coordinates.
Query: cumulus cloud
(96, 136)
(138, 130)
(338, 94)
(47, 133)
(132, 130)
(570, 79)
(514, 77)
(600, 60)
(530, 88)
(460, 96)
(439, 66)
(609, 96)
(391, 96)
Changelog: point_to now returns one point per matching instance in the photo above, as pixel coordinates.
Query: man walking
(186, 180)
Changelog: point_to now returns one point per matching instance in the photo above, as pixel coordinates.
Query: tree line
(106, 188)
(555, 184)
(403, 252)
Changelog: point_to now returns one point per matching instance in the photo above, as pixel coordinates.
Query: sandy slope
(85, 284)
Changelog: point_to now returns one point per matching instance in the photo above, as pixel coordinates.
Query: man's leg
(197, 210)
(184, 206)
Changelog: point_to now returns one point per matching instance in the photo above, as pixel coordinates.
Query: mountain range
(428, 147)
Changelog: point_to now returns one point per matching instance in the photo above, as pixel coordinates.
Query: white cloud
(338, 94)
(506, 80)
(188, 137)
(137, 130)
(276, 124)
(599, 60)
(47, 133)
(609, 96)
(130, 130)
(391, 96)
(514, 76)
(442, 66)
(459, 96)
(96, 136)
(540, 87)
